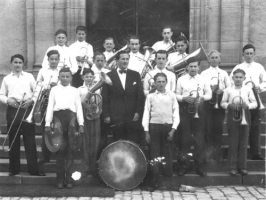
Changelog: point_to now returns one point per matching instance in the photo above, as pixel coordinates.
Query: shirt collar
(192, 77)
(64, 86)
(163, 70)
(166, 92)
(60, 46)
(248, 64)
(21, 73)
(169, 42)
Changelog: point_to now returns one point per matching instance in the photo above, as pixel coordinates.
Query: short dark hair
(17, 56)
(109, 38)
(161, 52)
(167, 27)
(191, 61)
(158, 75)
(81, 28)
(117, 56)
(87, 71)
(239, 71)
(52, 52)
(97, 53)
(248, 46)
(182, 39)
(60, 31)
(134, 37)
(65, 69)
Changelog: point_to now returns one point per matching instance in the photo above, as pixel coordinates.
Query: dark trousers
(105, 129)
(77, 81)
(193, 133)
(64, 156)
(214, 130)
(46, 154)
(91, 141)
(238, 141)
(161, 147)
(28, 132)
(128, 131)
(254, 133)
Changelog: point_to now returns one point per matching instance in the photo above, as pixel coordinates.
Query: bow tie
(121, 71)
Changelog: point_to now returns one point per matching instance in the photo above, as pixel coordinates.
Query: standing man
(161, 60)
(255, 72)
(192, 90)
(219, 81)
(123, 101)
(136, 58)
(167, 42)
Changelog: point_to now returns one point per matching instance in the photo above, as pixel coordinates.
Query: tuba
(257, 96)
(92, 104)
(179, 66)
(194, 107)
(111, 62)
(214, 99)
(239, 112)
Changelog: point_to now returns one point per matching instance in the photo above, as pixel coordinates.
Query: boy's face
(160, 83)
(181, 47)
(17, 65)
(81, 35)
(99, 61)
(109, 45)
(238, 78)
(249, 55)
(193, 68)
(161, 60)
(88, 78)
(167, 34)
(214, 59)
(61, 39)
(65, 78)
(123, 61)
(53, 60)
(134, 45)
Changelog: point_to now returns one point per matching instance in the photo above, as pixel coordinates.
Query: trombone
(257, 96)
(194, 107)
(8, 132)
(239, 112)
(214, 99)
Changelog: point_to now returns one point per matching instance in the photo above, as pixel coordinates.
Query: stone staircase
(218, 172)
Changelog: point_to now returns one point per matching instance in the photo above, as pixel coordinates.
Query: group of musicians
(137, 103)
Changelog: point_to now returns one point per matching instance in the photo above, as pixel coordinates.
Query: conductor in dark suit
(123, 101)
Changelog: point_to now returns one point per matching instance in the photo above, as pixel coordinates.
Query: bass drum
(122, 165)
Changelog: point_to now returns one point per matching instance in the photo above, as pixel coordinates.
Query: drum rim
(130, 142)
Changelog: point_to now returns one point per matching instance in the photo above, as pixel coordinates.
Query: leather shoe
(43, 161)
(12, 174)
(182, 172)
(257, 157)
(69, 186)
(233, 172)
(201, 172)
(37, 174)
(60, 185)
(243, 172)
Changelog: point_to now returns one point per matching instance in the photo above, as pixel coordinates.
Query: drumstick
(120, 123)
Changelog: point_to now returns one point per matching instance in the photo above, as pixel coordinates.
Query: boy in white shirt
(109, 46)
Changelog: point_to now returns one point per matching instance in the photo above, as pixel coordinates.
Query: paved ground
(206, 193)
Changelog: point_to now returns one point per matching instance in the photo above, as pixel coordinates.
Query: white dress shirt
(224, 80)
(122, 77)
(66, 58)
(108, 54)
(245, 92)
(148, 80)
(82, 49)
(14, 86)
(64, 98)
(136, 62)
(162, 45)
(254, 72)
(161, 108)
(48, 75)
(187, 83)
(97, 71)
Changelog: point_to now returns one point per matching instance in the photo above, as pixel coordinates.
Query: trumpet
(239, 112)
(214, 99)
(194, 107)
(257, 96)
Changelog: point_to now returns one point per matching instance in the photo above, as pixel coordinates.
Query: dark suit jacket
(121, 104)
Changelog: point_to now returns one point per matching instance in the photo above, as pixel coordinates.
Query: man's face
(134, 45)
(65, 78)
(249, 55)
(17, 65)
(81, 35)
(181, 47)
(61, 39)
(160, 83)
(238, 78)
(88, 78)
(193, 68)
(167, 34)
(53, 60)
(109, 45)
(123, 61)
(99, 61)
(214, 59)
(161, 61)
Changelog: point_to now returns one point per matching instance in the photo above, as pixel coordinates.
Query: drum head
(122, 165)
(74, 137)
(54, 140)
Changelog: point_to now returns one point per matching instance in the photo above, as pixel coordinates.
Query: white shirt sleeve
(50, 109)
(146, 114)
(4, 92)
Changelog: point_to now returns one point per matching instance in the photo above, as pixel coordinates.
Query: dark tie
(121, 71)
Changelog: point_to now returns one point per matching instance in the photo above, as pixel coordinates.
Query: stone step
(212, 166)
(213, 179)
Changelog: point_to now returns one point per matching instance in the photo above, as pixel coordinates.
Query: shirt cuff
(47, 124)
